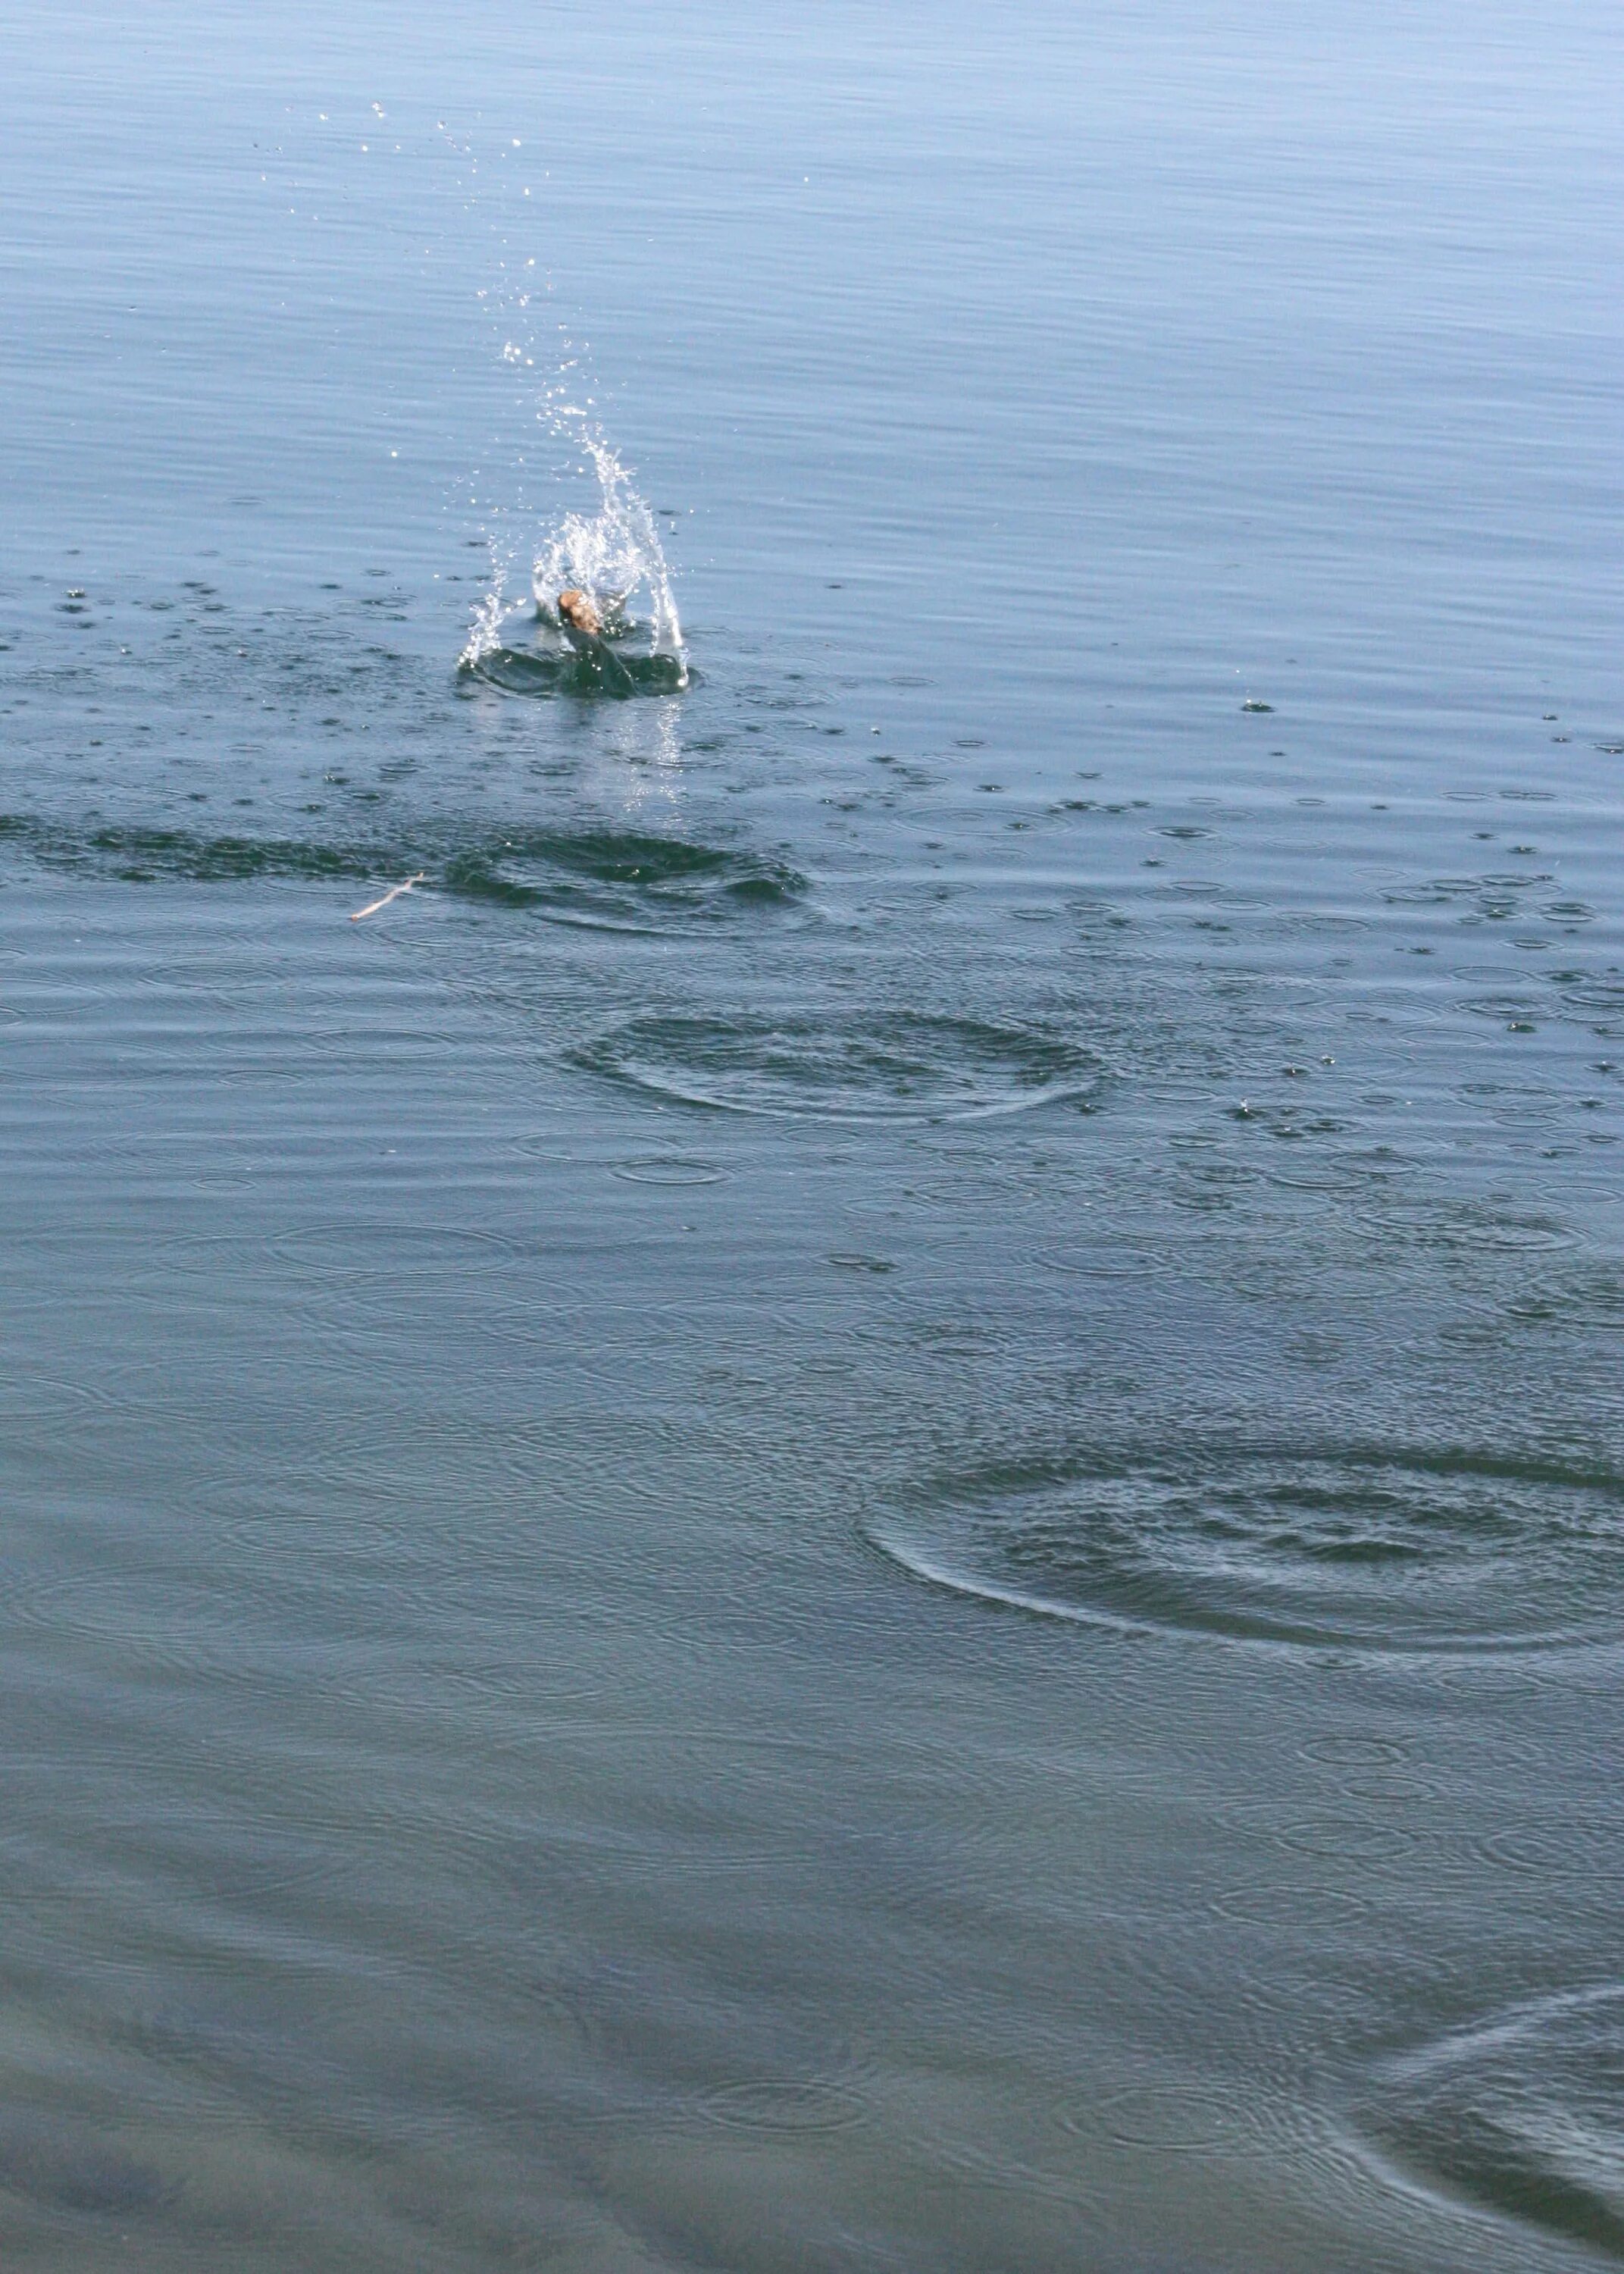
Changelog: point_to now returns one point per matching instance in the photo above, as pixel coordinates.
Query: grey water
(862, 1504)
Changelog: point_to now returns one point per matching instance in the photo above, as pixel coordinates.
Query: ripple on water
(1352, 1750)
(1305, 1912)
(364, 1248)
(28, 1397)
(544, 671)
(1564, 1847)
(668, 1168)
(1175, 2118)
(621, 881)
(1523, 2110)
(1384, 1551)
(1470, 1224)
(784, 2105)
(161, 1619)
(1105, 1258)
(901, 1066)
(1589, 1295)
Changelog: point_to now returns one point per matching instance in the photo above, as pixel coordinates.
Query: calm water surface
(861, 1506)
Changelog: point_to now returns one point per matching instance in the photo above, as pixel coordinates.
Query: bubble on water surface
(901, 1066)
(1523, 2110)
(1355, 1549)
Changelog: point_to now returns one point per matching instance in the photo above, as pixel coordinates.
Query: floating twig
(393, 893)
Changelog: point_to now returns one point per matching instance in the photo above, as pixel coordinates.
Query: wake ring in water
(896, 1067)
(1521, 2111)
(617, 880)
(1352, 1549)
(559, 670)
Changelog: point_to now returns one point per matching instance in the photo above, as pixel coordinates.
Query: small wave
(144, 856)
(617, 880)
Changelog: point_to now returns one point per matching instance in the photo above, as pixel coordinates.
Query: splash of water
(485, 633)
(615, 555)
(612, 553)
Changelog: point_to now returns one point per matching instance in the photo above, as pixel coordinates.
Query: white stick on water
(393, 893)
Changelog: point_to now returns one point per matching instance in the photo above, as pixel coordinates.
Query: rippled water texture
(1353, 1548)
(810, 1411)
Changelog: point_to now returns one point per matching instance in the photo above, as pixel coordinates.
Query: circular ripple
(1179, 2118)
(1105, 1258)
(1355, 1752)
(1563, 1847)
(788, 2106)
(906, 1066)
(1302, 1910)
(1356, 1549)
(1472, 1225)
(1347, 1839)
(975, 1188)
(1525, 2111)
(1592, 1295)
(668, 1169)
(363, 1248)
(1394, 1790)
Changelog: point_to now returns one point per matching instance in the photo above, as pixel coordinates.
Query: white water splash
(485, 633)
(615, 555)
(613, 552)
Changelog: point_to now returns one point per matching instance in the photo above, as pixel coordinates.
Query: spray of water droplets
(609, 549)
